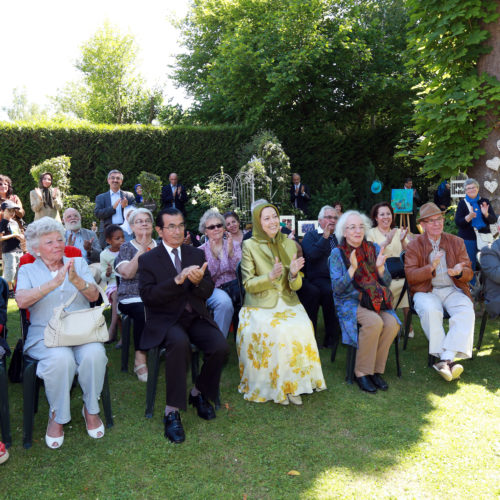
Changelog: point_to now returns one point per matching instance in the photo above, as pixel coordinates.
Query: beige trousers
(376, 334)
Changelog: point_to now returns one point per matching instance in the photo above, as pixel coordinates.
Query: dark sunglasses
(214, 226)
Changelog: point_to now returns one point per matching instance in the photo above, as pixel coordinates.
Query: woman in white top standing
(394, 240)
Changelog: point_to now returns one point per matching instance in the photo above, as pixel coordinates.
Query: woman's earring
(38, 254)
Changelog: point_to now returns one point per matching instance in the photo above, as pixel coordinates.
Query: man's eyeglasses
(437, 220)
(330, 217)
(214, 226)
(174, 227)
(143, 221)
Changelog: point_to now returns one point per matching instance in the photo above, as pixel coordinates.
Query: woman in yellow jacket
(277, 350)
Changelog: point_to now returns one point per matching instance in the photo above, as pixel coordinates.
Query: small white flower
(194, 202)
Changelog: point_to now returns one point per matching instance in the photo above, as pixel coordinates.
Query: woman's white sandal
(93, 433)
(143, 377)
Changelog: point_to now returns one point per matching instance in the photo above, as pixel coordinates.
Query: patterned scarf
(366, 277)
(478, 221)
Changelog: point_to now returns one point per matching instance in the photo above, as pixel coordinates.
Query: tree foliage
(110, 89)
(21, 109)
(456, 104)
(287, 64)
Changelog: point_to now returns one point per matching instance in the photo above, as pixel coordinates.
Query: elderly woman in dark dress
(42, 285)
(126, 267)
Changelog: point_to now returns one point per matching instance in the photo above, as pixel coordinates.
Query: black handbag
(233, 290)
(395, 268)
(16, 363)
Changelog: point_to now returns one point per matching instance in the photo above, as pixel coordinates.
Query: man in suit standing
(174, 195)
(174, 284)
(299, 194)
(317, 246)
(109, 206)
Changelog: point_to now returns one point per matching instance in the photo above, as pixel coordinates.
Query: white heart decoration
(491, 186)
(498, 145)
(494, 163)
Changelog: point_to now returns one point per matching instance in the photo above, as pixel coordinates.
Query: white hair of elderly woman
(211, 213)
(342, 223)
(42, 226)
(138, 211)
(470, 181)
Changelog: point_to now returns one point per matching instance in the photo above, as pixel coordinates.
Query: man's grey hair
(70, 208)
(40, 227)
(342, 223)
(138, 211)
(111, 172)
(470, 181)
(323, 210)
(256, 203)
(211, 213)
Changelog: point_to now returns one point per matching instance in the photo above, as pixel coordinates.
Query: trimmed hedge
(194, 153)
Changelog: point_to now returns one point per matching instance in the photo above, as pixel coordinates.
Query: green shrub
(329, 193)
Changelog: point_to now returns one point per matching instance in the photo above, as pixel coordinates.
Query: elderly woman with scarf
(46, 200)
(277, 351)
(360, 283)
(473, 218)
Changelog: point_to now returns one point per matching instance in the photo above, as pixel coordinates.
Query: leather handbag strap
(73, 297)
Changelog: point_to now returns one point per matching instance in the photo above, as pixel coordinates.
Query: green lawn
(424, 438)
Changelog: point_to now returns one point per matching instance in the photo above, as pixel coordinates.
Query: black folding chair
(4, 395)
(31, 388)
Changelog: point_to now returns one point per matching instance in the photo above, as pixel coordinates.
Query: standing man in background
(299, 194)
(174, 195)
(109, 206)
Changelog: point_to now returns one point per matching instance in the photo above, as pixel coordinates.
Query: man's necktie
(178, 267)
(177, 261)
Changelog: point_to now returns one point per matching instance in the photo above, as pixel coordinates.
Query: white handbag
(482, 239)
(71, 328)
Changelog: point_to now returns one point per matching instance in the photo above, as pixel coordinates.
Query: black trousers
(316, 293)
(193, 329)
(136, 312)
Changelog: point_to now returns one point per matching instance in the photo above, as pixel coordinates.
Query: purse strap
(73, 297)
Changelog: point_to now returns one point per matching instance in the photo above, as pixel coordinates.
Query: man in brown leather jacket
(438, 270)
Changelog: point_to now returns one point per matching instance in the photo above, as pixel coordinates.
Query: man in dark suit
(174, 195)
(174, 283)
(299, 194)
(109, 206)
(317, 246)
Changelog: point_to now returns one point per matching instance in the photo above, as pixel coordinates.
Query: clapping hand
(109, 269)
(124, 202)
(403, 234)
(87, 244)
(276, 270)
(472, 215)
(484, 208)
(187, 239)
(181, 277)
(389, 237)
(380, 262)
(353, 260)
(296, 265)
(61, 274)
(457, 269)
(196, 275)
(437, 259)
(230, 244)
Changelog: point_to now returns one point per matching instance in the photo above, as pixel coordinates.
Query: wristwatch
(85, 287)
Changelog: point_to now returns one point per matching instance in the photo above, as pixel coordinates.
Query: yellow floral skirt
(277, 353)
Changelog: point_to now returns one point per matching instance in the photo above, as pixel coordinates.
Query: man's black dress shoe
(173, 427)
(205, 409)
(379, 382)
(365, 384)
